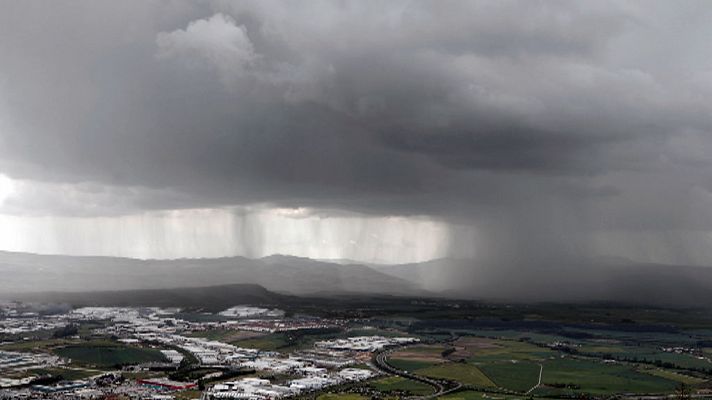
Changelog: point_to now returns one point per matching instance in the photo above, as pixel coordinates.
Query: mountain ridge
(26, 272)
(214, 298)
(612, 279)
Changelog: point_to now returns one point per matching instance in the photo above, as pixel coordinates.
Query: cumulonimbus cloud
(217, 41)
(518, 117)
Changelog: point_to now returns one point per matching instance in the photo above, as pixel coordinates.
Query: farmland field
(268, 342)
(520, 376)
(465, 373)
(574, 375)
(226, 335)
(475, 395)
(340, 396)
(108, 356)
(675, 376)
(509, 350)
(408, 365)
(396, 383)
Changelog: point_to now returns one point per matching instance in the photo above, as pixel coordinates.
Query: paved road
(541, 369)
(381, 361)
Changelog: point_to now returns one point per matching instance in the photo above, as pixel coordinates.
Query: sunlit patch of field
(468, 346)
(426, 353)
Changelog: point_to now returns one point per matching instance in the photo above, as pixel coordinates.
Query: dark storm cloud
(525, 116)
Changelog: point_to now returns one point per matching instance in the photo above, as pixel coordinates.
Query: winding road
(381, 362)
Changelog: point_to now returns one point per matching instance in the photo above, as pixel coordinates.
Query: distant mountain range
(22, 272)
(611, 280)
(209, 298)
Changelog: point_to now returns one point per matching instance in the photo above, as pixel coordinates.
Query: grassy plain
(465, 373)
(475, 395)
(519, 376)
(269, 342)
(674, 376)
(107, 355)
(409, 365)
(397, 383)
(586, 376)
(340, 396)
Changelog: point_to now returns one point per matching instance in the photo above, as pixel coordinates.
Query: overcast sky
(380, 131)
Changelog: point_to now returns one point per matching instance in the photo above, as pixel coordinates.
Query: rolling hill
(24, 272)
(610, 280)
(213, 298)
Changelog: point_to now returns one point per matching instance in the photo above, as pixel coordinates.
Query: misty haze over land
(601, 280)
(500, 150)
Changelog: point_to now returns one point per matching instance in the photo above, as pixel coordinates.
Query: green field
(340, 396)
(108, 356)
(214, 334)
(674, 376)
(397, 383)
(520, 376)
(408, 365)
(67, 373)
(474, 395)
(465, 373)
(647, 354)
(36, 345)
(289, 341)
(269, 342)
(584, 376)
(512, 350)
(679, 360)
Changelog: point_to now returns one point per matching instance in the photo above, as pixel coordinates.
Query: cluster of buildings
(263, 389)
(251, 312)
(561, 345)
(327, 363)
(17, 319)
(695, 352)
(90, 388)
(208, 352)
(365, 343)
(14, 365)
(174, 356)
(285, 325)
(20, 361)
